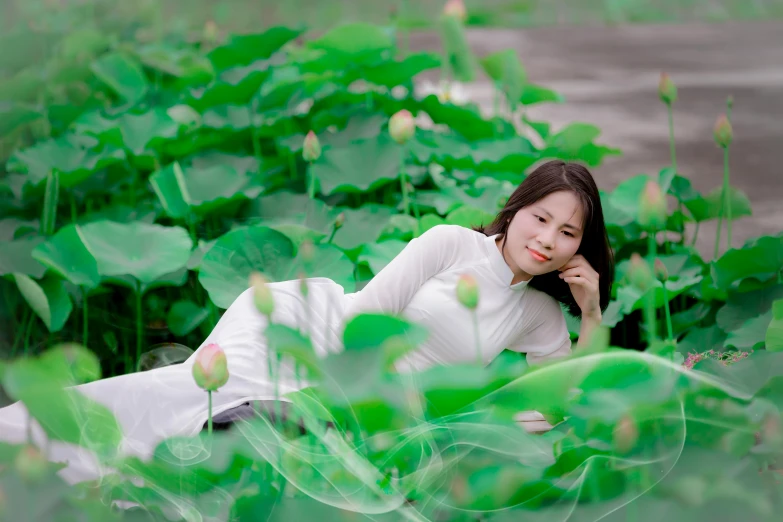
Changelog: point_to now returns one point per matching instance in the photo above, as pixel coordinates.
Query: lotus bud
(639, 274)
(307, 251)
(262, 295)
(457, 9)
(210, 31)
(659, 269)
(210, 369)
(467, 291)
(402, 126)
(340, 221)
(723, 132)
(303, 288)
(311, 149)
(667, 90)
(652, 206)
(31, 464)
(625, 434)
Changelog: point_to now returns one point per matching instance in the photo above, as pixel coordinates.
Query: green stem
(139, 324)
(334, 231)
(28, 312)
(404, 183)
(672, 151)
(74, 212)
(727, 196)
(291, 158)
(85, 316)
(209, 418)
(368, 99)
(27, 332)
(669, 329)
(311, 184)
(650, 319)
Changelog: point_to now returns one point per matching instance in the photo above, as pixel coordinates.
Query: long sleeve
(395, 285)
(548, 338)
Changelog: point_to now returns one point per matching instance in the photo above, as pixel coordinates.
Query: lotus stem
(85, 316)
(649, 301)
(727, 196)
(403, 183)
(209, 413)
(669, 329)
(51, 197)
(139, 329)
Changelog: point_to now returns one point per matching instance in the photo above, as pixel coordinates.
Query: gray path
(609, 77)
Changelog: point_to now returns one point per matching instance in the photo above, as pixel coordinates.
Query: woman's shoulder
(453, 233)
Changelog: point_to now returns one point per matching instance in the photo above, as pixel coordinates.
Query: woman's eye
(541, 219)
(569, 234)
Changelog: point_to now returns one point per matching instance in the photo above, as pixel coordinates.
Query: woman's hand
(583, 282)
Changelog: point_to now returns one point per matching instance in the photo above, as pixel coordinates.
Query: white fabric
(418, 284)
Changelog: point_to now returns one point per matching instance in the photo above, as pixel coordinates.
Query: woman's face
(551, 227)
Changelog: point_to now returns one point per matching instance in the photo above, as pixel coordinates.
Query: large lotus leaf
(14, 115)
(241, 163)
(363, 225)
(532, 94)
(200, 190)
(74, 157)
(514, 154)
(64, 414)
(288, 92)
(632, 299)
(378, 255)
(576, 142)
(16, 257)
(144, 211)
(507, 72)
(709, 207)
(138, 133)
(763, 261)
(468, 216)
(359, 167)
(330, 262)
(185, 316)
(244, 49)
(176, 278)
(461, 61)
(625, 197)
(442, 201)
(742, 307)
(184, 63)
(752, 333)
(48, 298)
(466, 120)
(233, 118)
(65, 254)
(774, 335)
(143, 251)
(700, 339)
(400, 72)
(372, 331)
(290, 208)
(357, 41)
(123, 75)
(226, 267)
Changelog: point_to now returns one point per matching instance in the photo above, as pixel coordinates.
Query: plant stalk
(404, 183)
(649, 301)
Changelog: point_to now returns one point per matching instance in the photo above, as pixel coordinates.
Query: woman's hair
(555, 176)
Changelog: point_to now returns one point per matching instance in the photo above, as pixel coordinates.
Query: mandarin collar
(499, 265)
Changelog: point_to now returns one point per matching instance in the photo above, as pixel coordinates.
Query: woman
(547, 247)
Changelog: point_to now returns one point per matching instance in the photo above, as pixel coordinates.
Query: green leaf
(709, 207)
(625, 196)
(287, 341)
(355, 39)
(14, 115)
(16, 257)
(752, 333)
(141, 250)
(461, 60)
(513, 154)
(75, 157)
(49, 300)
(203, 191)
(244, 49)
(371, 331)
(183, 63)
(741, 307)
(330, 262)
(378, 255)
(141, 134)
(123, 75)
(774, 335)
(363, 225)
(289, 208)
(185, 316)
(11, 227)
(226, 267)
(507, 72)
(762, 260)
(467, 216)
(532, 94)
(466, 120)
(576, 142)
(400, 72)
(359, 167)
(66, 254)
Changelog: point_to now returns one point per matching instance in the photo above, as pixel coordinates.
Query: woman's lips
(537, 255)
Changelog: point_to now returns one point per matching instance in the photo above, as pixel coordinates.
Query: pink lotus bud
(402, 126)
(639, 274)
(210, 31)
(340, 221)
(723, 132)
(652, 207)
(667, 90)
(467, 291)
(311, 149)
(210, 369)
(659, 269)
(625, 434)
(31, 464)
(307, 251)
(457, 9)
(262, 295)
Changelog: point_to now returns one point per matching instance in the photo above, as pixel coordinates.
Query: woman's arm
(548, 338)
(395, 285)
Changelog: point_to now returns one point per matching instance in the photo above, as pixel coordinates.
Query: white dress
(419, 285)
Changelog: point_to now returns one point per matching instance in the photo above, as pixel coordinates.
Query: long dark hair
(554, 176)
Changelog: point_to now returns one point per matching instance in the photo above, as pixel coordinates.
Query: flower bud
(667, 90)
(303, 288)
(659, 269)
(457, 9)
(311, 149)
(262, 295)
(467, 291)
(31, 464)
(307, 251)
(625, 434)
(723, 132)
(640, 275)
(340, 221)
(402, 126)
(210, 368)
(210, 31)
(652, 207)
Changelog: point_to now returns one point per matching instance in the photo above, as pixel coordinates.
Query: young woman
(547, 247)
